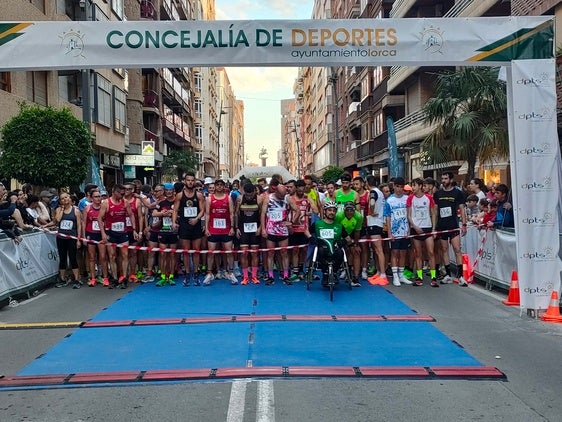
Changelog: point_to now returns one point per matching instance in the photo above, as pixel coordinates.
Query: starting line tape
(204, 251)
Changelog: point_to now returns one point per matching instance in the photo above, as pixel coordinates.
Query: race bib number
(190, 212)
(250, 227)
(219, 223)
(399, 213)
(371, 221)
(95, 226)
(421, 213)
(166, 221)
(118, 226)
(128, 222)
(327, 233)
(66, 224)
(445, 212)
(276, 215)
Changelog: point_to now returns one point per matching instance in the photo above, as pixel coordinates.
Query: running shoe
(121, 280)
(408, 273)
(382, 280)
(244, 281)
(77, 284)
(133, 278)
(61, 283)
(149, 277)
(92, 282)
(434, 283)
(371, 271)
(404, 280)
(418, 282)
(196, 280)
(237, 272)
(208, 278)
(186, 280)
(364, 274)
(462, 282)
(396, 281)
(220, 275)
(269, 281)
(447, 280)
(232, 278)
(373, 279)
(255, 280)
(294, 277)
(171, 280)
(105, 282)
(162, 282)
(287, 281)
(355, 283)
(342, 273)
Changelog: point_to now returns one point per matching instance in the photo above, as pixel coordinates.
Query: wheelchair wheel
(347, 275)
(309, 275)
(331, 281)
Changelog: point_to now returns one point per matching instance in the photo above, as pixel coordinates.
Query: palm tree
(470, 111)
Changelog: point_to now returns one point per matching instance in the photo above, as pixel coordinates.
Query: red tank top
(364, 204)
(128, 223)
(304, 206)
(92, 225)
(116, 216)
(219, 218)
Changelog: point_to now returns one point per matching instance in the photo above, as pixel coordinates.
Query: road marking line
(266, 403)
(237, 402)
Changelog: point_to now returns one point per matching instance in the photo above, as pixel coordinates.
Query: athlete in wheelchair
(326, 248)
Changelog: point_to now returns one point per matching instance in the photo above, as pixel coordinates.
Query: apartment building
(128, 109)
(366, 96)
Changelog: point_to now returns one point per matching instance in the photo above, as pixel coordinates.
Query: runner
(422, 216)
(91, 231)
(189, 209)
(247, 225)
(345, 194)
(134, 236)
(359, 187)
(352, 222)
(167, 236)
(374, 227)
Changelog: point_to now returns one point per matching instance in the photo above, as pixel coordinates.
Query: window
(119, 110)
(377, 76)
(198, 108)
(378, 123)
(5, 84)
(39, 4)
(37, 87)
(70, 86)
(199, 133)
(117, 7)
(198, 82)
(99, 15)
(103, 100)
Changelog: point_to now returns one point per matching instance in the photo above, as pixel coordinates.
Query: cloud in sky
(262, 88)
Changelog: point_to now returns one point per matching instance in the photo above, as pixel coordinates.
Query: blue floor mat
(148, 301)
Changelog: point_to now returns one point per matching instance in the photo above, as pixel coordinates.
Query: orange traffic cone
(467, 272)
(552, 314)
(513, 296)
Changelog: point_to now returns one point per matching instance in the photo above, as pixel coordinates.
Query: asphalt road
(528, 351)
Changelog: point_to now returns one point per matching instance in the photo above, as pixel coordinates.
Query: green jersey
(330, 232)
(351, 225)
(342, 198)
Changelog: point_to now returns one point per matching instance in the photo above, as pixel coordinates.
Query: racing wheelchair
(322, 255)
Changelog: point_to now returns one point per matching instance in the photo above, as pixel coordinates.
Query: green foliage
(45, 147)
(469, 110)
(332, 174)
(178, 162)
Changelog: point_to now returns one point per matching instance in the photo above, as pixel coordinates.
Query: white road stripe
(266, 403)
(237, 402)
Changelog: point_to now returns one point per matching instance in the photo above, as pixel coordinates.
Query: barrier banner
(33, 260)
(351, 42)
(535, 153)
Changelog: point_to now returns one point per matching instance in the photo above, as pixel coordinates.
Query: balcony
(400, 8)
(398, 74)
(369, 149)
(150, 136)
(151, 100)
(412, 128)
(147, 10)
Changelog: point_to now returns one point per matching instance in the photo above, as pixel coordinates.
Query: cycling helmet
(329, 204)
(350, 205)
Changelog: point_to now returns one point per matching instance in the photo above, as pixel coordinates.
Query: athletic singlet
(420, 210)
(249, 216)
(67, 223)
(166, 205)
(116, 216)
(276, 216)
(304, 206)
(342, 198)
(219, 217)
(364, 205)
(330, 232)
(128, 223)
(189, 207)
(92, 224)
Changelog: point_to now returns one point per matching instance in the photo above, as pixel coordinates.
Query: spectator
(32, 205)
(44, 207)
(476, 187)
(504, 216)
(472, 208)
(490, 215)
(483, 209)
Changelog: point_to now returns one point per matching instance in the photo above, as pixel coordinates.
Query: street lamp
(297, 142)
(332, 79)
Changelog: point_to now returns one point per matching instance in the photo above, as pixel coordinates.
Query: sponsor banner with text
(535, 154)
(353, 42)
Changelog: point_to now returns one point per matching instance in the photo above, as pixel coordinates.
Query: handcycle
(330, 251)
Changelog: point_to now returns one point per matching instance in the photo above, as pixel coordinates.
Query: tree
(332, 174)
(178, 162)
(470, 111)
(45, 146)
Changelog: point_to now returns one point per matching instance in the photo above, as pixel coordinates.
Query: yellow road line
(34, 325)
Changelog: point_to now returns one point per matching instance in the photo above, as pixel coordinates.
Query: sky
(262, 88)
